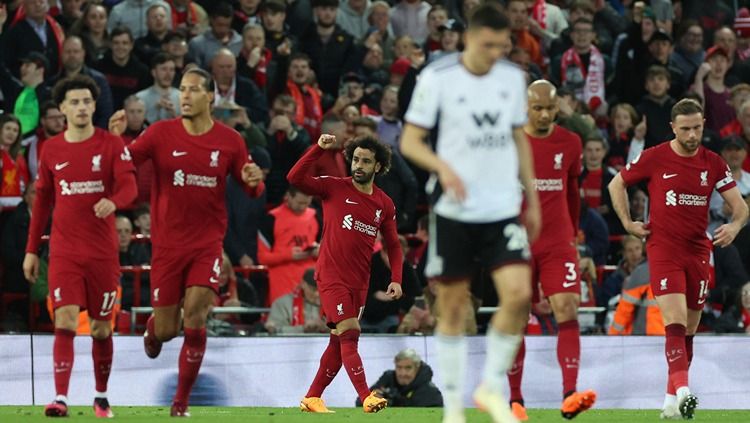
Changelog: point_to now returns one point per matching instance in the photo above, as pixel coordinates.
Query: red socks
(62, 358)
(191, 356)
(101, 351)
(689, 348)
(677, 355)
(353, 363)
(330, 363)
(515, 374)
(569, 353)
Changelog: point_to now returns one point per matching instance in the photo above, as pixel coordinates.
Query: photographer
(410, 385)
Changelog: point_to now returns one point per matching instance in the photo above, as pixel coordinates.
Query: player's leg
(674, 312)
(330, 364)
(167, 284)
(348, 331)
(198, 302)
(102, 352)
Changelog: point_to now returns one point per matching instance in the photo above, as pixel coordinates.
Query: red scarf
(259, 74)
(190, 16)
(14, 175)
(539, 13)
(316, 114)
(592, 91)
(57, 31)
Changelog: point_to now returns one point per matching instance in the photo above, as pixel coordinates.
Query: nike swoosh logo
(674, 359)
(61, 166)
(701, 301)
(213, 280)
(193, 360)
(62, 370)
(101, 313)
(176, 153)
(569, 284)
(348, 201)
(667, 175)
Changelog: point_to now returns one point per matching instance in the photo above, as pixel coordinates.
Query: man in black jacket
(410, 384)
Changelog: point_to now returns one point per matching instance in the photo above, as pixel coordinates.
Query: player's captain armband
(726, 180)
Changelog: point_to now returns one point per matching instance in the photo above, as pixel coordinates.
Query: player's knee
(101, 331)
(165, 333)
(66, 319)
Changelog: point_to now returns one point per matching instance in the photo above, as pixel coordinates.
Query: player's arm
(533, 214)
(574, 201)
(300, 175)
(40, 212)
(268, 253)
(618, 192)
(395, 256)
(725, 234)
(246, 172)
(124, 190)
(139, 150)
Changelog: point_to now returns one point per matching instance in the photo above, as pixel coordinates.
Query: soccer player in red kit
(86, 173)
(681, 174)
(557, 165)
(192, 156)
(354, 210)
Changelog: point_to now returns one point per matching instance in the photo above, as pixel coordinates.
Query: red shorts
(88, 283)
(680, 274)
(173, 271)
(556, 271)
(340, 303)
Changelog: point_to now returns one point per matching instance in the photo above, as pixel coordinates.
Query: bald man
(557, 165)
(233, 88)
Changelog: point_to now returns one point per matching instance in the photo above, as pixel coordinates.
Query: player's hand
(532, 221)
(246, 261)
(638, 229)
(394, 291)
(299, 254)
(104, 208)
(452, 185)
(327, 141)
(251, 174)
(31, 267)
(725, 234)
(118, 123)
(639, 133)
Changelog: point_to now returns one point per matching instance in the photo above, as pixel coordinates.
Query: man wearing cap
(23, 97)
(709, 85)
(450, 39)
(299, 311)
(742, 30)
(331, 49)
(734, 152)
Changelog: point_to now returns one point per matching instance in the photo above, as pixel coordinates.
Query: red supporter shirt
(591, 187)
(351, 220)
(188, 206)
(557, 164)
(679, 191)
(74, 177)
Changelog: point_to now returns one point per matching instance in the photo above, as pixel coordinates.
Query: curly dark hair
(382, 152)
(78, 82)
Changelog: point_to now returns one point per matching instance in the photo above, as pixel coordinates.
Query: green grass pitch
(12, 414)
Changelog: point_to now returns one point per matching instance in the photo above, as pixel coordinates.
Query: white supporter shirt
(475, 117)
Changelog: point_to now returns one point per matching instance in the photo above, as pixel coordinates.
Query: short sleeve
(424, 105)
(519, 108)
(639, 169)
(724, 179)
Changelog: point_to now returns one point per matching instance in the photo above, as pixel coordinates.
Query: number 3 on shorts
(571, 275)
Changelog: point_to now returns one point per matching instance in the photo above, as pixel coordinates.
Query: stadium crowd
(288, 70)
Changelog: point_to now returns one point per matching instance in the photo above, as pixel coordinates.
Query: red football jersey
(74, 177)
(679, 191)
(351, 221)
(557, 164)
(188, 206)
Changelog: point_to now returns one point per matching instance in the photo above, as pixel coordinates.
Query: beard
(326, 25)
(363, 178)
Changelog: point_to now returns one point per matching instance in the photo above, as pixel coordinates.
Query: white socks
(100, 394)
(62, 398)
(501, 352)
(452, 357)
(669, 401)
(682, 392)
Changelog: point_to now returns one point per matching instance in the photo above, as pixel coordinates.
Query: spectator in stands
(175, 45)
(632, 257)
(380, 31)
(595, 176)
(734, 152)
(595, 233)
(638, 199)
(333, 162)
(622, 120)
(220, 35)
(422, 316)
(742, 29)
(73, 56)
(656, 106)
(388, 123)
(92, 28)
(450, 39)
(660, 49)
(157, 23)
(52, 123)
(228, 296)
(23, 97)
(135, 115)
(245, 12)
(583, 68)
(189, 17)
(254, 58)
(288, 242)
(409, 17)
(374, 73)
(231, 88)
(519, 24)
(737, 318)
(34, 30)
(633, 56)
(399, 183)
(13, 237)
(132, 14)
(332, 50)
(286, 142)
(709, 85)
(298, 311)
(689, 54)
(607, 24)
(570, 118)
(410, 384)
(381, 314)
(352, 17)
(737, 70)
(125, 74)
(161, 99)
(546, 21)
(142, 219)
(300, 15)
(309, 108)
(738, 94)
(70, 11)
(131, 255)
(637, 312)
(436, 17)
(14, 172)
(278, 39)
